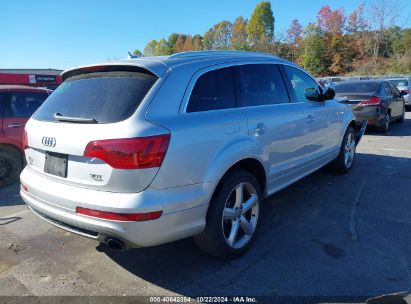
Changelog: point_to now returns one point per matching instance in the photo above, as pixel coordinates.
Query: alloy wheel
(386, 121)
(349, 150)
(240, 215)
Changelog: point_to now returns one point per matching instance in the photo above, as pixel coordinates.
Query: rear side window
(24, 104)
(213, 90)
(300, 82)
(261, 84)
(107, 97)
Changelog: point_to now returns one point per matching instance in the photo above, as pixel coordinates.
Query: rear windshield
(107, 97)
(400, 82)
(356, 87)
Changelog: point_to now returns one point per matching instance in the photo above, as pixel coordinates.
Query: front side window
(24, 104)
(300, 82)
(213, 90)
(261, 84)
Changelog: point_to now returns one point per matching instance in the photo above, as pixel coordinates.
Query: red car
(17, 104)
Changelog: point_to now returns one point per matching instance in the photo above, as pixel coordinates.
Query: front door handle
(14, 125)
(310, 118)
(260, 129)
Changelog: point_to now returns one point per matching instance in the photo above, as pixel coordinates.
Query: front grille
(69, 227)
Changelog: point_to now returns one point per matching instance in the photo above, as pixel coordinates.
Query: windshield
(106, 97)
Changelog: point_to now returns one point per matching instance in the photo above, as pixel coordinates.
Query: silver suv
(404, 84)
(146, 151)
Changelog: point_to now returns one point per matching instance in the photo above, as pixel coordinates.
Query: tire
(345, 159)
(386, 123)
(230, 232)
(10, 167)
(401, 119)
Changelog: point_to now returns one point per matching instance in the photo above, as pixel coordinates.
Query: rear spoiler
(146, 65)
(104, 68)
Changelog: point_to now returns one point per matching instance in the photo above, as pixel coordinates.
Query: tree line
(364, 41)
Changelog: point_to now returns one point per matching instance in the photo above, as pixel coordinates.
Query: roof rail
(217, 53)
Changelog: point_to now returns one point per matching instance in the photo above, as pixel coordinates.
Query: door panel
(398, 99)
(322, 119)
(279, 134)
(390, 99)
(13, 128)
(323, 128)
(276, 125)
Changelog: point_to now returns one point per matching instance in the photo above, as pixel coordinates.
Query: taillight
(371, 101)
(25, 140)
(126, 217)
(130, 153)
(24, 188)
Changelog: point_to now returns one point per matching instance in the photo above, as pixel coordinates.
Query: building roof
(32, 71)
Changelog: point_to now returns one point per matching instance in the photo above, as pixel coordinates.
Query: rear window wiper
(60, 117)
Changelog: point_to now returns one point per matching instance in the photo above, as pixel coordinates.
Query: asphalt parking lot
(326, 239)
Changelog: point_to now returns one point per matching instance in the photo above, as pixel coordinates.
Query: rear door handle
(14, 125)
(260, 129)
(310, 118)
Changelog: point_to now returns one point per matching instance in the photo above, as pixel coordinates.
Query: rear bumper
(374, 115)
(184, 210)
(369, 113)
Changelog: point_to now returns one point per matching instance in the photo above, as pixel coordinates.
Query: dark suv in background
(17, 104)
(377, 101)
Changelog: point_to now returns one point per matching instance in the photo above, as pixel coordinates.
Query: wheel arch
(353, 124)
(12, 149)
(348, 120)
(252, 165)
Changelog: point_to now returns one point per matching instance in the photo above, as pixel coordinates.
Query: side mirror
(313, 94)
(318, 94)
(403, 93)
(329, 94)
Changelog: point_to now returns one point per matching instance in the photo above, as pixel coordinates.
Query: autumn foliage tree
(294, 37)
(312, 56)
(260, 27)
(365, 41)
(239, 37)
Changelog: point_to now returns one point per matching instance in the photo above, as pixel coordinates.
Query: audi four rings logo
(49, 141)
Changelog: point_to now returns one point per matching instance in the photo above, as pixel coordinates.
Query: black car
(377, 101)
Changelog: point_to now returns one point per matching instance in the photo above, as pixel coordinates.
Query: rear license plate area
(56, 164)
